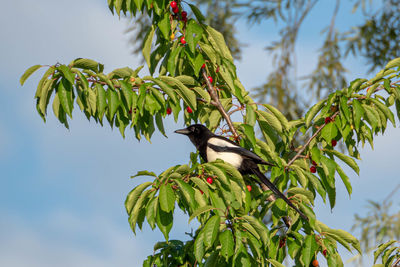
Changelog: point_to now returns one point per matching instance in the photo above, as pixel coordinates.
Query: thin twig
(215, 102)
(391, 193)
(309, 141)
(395, 263)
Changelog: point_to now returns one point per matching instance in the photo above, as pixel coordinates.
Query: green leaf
(173, 60)
(67, 73)
(302, 191)
(199, 211)
(113, 103)
(345, 179)
(187, 95)
(193, 34)
(127, 92)
(199, 246)
(121, 73)
(344, 107)
(64, 92)
(248, 130)
(346, 159)
(282, 119)
(147, 45)
(371, 116)
(151, 212)
(209, 51)
(45, 93)
(393, 63)
(261, 229)
(227, 242)
(188, 192)
(136, 215)
(310, 246)
(270, 119)
(218, 42)
(164, 222)
(101, 101)
(166, 198)
(134, 195)
(164, 25)
(313, 111)
(211, 230)
(197, 13)
(330, 168)
(28, 73)
(43, 80)
(358, 112)
(329, 132)
(382, 248)
(388, 113)
(203, 94)
(144, 173)
(250, 115)
(84, 63)
(276, 263)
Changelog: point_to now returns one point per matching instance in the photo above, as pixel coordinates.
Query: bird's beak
(183, 131)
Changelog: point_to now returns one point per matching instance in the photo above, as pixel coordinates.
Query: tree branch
(215, 102)
(309, 141)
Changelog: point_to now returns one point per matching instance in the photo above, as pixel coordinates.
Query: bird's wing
(221, 144)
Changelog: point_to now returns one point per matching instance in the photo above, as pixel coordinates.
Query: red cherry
(203, 66)
(183, 41)
(169, 110)
(209, 180)
(130, 111)
(315, 263)
(249, 187)
(210, 79)
(282, 242)
(328, 119)
(324, 252)
(189, 110)
(184, 14)
(333, 142)
(175, 10)
(201, 192)
(173, 4)
(313, 169)
(314, 163)
(184, 19)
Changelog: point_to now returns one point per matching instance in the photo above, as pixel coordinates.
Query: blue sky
(62, 191)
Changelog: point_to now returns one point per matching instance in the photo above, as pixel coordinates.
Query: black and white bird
(212, 147)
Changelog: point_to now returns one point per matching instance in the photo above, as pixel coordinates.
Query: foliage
(231, 231)
(389, 253)
(376, 40)
(379, 225)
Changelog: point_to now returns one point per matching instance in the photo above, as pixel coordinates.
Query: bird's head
(197, 133)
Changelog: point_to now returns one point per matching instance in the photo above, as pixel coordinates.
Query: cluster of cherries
(313, 168)
(175, 10)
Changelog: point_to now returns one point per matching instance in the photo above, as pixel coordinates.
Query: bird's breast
(229, 157)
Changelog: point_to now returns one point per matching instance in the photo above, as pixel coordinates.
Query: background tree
(226, 210)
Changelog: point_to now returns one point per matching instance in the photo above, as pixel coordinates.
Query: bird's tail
(276, 191)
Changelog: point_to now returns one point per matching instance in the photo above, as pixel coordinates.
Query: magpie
(212, 147)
